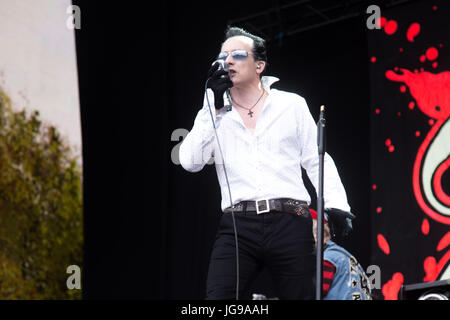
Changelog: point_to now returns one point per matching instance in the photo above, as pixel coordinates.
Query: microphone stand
(320, 204)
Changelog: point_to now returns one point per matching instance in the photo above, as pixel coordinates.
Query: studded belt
(266, 205)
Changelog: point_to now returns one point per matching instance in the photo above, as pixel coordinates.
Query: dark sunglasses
(236, 54)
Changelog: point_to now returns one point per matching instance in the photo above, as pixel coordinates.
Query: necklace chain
(250, 112)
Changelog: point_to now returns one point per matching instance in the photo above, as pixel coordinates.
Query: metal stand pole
(320, 204)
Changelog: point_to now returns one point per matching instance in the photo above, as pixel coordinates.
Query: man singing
(265, 139)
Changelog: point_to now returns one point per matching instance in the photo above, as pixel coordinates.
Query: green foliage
(41, 226)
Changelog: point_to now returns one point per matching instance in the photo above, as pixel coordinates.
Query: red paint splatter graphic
(390, 27)
(431, 53)
(379, 209)
(383, 244)
(428, 89)
(425, 227)
(430, 267)
(391, 288)
(373, 59)
(374, 187)
(381, 22)
(432, 94)
(413, 31)
(388, 142)
(389, 145)
(433, 269)
(445, 241)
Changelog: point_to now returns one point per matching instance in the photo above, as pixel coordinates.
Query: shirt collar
(267, 81)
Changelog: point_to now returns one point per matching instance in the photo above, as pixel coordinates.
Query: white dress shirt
(265, 163)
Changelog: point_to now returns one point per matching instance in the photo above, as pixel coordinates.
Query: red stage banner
(409, 58)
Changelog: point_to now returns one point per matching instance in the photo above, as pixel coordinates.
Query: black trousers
(283, 242)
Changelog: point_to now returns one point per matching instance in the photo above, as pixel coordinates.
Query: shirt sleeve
(198, 146)
(334, 192)
(329, 270)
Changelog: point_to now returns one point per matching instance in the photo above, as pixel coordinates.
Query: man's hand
(339, 221)
(219, 81)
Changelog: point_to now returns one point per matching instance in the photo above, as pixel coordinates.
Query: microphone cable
(229, 191)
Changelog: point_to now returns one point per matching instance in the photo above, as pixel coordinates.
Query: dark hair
(259, 44)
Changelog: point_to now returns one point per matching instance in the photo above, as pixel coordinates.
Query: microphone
(321, 131)
(222, 65)
(227, 98)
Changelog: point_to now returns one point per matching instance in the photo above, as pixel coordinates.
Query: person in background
(343, 276)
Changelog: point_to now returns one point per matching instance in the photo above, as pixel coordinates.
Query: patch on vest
(353, 264)
(356, 296)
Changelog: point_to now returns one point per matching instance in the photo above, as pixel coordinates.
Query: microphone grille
(222, 64)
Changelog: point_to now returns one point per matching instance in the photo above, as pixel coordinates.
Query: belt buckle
(266, 205)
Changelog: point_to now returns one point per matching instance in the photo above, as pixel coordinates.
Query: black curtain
(121, 62)
(150, 225)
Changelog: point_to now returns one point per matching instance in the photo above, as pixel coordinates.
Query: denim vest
(350, 281)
